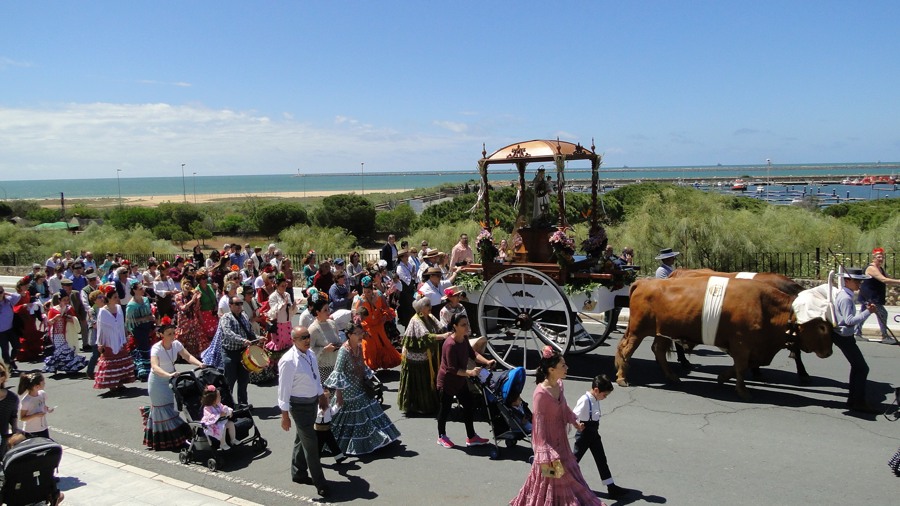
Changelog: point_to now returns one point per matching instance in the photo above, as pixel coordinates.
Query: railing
(808, 265)
(794, 264)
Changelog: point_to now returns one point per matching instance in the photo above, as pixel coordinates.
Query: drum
(255, 358)
(73, 333)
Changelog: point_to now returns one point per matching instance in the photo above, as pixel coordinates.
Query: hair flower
(547, 352)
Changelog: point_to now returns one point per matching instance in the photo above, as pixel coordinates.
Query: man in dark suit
(389, 253)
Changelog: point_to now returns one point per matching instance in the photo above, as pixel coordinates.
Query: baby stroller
(508, 424)
(27, 476)
(188, 388)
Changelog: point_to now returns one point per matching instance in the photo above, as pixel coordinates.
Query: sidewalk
(88, 479)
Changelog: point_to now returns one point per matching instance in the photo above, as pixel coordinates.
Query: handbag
(553, 469)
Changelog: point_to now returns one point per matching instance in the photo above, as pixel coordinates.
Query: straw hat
(667, 253)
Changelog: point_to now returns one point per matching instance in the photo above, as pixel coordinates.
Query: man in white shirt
(299, 395)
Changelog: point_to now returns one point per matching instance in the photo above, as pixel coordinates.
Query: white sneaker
(888, 340)
(224, 447)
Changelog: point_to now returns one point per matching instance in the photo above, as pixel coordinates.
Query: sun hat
(66, 281)
(855, 273)
(451, 291)
(667, 253)
(431, 252)
(431, 271)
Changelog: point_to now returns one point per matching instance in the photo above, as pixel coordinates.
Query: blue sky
(233, 87)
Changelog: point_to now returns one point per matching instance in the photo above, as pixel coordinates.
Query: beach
(205, 198)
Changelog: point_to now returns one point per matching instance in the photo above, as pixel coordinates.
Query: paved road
(693, 443)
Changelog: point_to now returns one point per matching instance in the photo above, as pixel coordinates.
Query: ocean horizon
(379, 181)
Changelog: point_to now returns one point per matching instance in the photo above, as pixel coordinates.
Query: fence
(807, 265)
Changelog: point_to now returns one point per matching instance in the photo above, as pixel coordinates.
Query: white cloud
(180, 84)
(9, 62)
(84, 140)
(453, 126)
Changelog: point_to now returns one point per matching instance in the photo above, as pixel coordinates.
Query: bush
(867, 215)
(5, 210)
(232, 224)
(125, 218)
(299, 239)
(353, 213)
(274, 218)
(398, 221)
(165, 230)
(502, 201)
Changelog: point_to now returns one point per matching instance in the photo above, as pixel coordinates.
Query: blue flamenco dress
(361, 426)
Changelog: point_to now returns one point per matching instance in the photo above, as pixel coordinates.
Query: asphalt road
(692, 443)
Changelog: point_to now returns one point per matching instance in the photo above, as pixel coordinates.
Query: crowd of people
(322, 345)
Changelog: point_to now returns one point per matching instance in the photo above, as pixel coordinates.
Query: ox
(756, 322)
(783, 283)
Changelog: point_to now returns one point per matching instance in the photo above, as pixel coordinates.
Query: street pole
(183, 182)
(195, 187)
(119, 184)
(768, 182)
(362, 180)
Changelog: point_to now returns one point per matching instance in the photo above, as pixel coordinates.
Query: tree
(397, 221)
(181, 237)
(200, 232)
(274, 218)
(165, 230)
(5, 210)
(353, 213)
(232, 224)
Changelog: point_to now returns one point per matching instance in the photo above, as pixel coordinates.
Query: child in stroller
(217, 418)
(508, 415)
(189, 388)
(27, 475)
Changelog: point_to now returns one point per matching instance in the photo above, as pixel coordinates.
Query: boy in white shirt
(587, 409)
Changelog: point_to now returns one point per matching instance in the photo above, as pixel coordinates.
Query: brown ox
(756, 322)
(783, 283)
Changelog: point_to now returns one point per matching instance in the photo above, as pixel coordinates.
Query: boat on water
(739, 185)
(850, 181)
(869, 180)
(760, 189)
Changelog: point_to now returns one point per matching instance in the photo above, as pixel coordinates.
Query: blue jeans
(236, 373)
(859, 369)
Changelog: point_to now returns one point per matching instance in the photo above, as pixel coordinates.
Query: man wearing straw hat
(666, 259)
(846, 320)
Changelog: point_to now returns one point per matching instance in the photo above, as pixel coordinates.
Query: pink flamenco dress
(550, 443)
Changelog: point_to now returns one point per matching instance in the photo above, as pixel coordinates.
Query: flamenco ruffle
(163, 428)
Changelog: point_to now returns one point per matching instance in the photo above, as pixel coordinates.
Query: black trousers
(326, 439)
(465, 398)
(589, 439)
(236, 373)
(859, 369)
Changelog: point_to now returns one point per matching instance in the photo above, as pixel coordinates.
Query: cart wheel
(184, 457)
(584, 341)
(212, 464)
(510, 443)
(261, 444)
(520, 311)
(495, 454)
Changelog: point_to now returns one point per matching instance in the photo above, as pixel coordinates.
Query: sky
(268, 87)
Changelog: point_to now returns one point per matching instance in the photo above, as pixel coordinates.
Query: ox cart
(544, 294)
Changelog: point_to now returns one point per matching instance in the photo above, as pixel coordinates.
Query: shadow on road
(634, 496)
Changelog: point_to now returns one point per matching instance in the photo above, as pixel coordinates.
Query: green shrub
(398, 221)
(299, 239)
(274, 218)
(348, 211)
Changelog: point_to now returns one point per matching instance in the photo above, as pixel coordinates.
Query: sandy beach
(154, 200)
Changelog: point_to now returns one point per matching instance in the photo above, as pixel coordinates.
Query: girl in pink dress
(555, 478)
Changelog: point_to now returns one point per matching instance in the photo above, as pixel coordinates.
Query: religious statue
(540, 213)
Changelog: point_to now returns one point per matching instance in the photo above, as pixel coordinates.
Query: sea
(192, 186)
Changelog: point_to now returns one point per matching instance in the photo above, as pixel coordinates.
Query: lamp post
(195, 187)
(183, 182)
(362, 180)
(768, 183)
(119, 185)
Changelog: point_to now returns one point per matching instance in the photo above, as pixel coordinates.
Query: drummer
(454, 297)
(237, 336)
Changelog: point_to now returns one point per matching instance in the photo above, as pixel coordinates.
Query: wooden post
(482, 168)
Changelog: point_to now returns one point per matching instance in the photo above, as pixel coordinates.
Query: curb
(162, 479)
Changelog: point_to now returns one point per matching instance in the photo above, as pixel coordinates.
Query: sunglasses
(305, 337)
